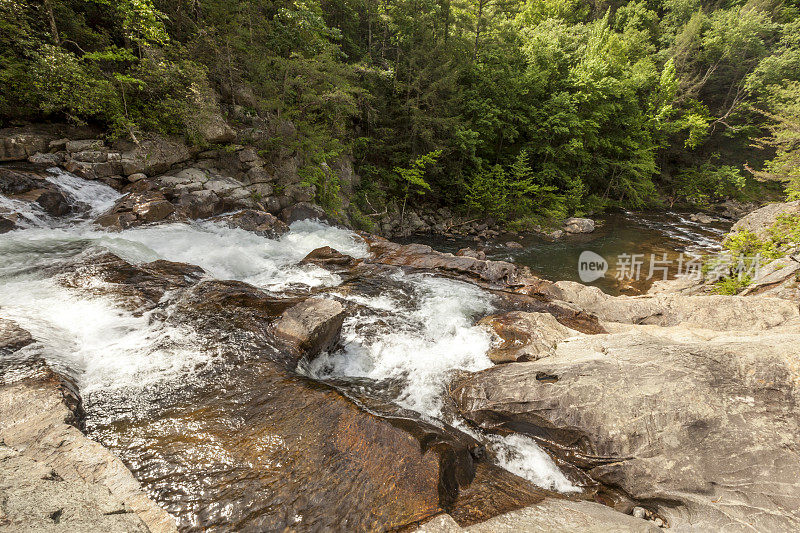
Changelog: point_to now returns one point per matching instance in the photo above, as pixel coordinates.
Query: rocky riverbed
(168, 366)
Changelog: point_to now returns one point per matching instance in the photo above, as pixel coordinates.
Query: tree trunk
(48, 5)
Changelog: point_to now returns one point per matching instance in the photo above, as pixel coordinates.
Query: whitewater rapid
(417, 332)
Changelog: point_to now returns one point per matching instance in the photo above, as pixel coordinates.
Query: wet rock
(8, 222)
(12, 337)
(512, 245)
(133, 178)
(423, 257)
(329, 258)
(555, 235)
(302, 211)
(51, 475)
(469, 252)
(136, 209)
(312, 326)
(694, 424)
(761, 220)
(51, 200)
(136, 287)
(519, 336)
(579, 225)
(258, 222)
(331, 451)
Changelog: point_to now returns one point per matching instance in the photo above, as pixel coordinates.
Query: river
(180, 409)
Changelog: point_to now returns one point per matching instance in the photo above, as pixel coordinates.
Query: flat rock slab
(702, 432)
(37, 414)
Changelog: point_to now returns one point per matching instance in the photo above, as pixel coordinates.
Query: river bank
(251, 374)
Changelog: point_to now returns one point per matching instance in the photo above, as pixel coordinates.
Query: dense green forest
(514, 108)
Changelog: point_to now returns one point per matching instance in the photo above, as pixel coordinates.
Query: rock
(555, 235)
(329, 448)
(205, 123)
(83, 145)
(328, 257)
(511, 245)
(133, 178)
(51, 200)
(424, 257)
(90, 156)
(549, 516)
(701, 218)
(258, 175)
(35, 498)
(49, 160)
(257, 222)
(469, 252)
(716, 313)
(199, 204)
(7, 223)
(578, 225)
(12, 337)
(312, 326)
(18, 144)
(299, 193)
(50, 471)
(760, 221)
(154, 155)
(695, 425)
(519, 336)
(136, 209)
(302, 211)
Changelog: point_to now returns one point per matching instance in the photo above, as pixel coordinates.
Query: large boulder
(136, 209)
(153, 155)
(302, 211)
(312, 326)
(761, 220)
(258, 222)
(579, 225)
(699, 428)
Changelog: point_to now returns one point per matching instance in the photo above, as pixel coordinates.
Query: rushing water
(138, 373)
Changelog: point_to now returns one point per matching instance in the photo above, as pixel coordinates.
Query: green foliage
(708, 183)
(529, 108)
(731, 286)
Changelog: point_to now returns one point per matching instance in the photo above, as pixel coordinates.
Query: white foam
(97, 196)
(422, 343)
(522, 456)
(104, 346)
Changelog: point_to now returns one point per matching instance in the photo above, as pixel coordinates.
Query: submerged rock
(696, 426)
(258, 222)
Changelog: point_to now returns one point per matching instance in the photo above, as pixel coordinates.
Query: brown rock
(258, 222)
(12, 337)
(312, 326)
(520, 336)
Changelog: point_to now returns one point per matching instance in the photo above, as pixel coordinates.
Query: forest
(516, 109)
